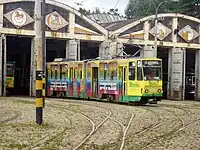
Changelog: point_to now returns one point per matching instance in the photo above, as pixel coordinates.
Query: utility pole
(156, 7)
(39, 50)
(44, 50)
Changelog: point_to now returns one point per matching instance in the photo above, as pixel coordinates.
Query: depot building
(70, 34)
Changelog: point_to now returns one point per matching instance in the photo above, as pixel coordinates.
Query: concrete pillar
(32, 70)
(120, 49)
(1, 16)
(177, 74)
(1, 48)
(109, 49)
(73, 49)
(176, 68)
(146, 29)
(71, 24)
(147, 50)
(197, 73)
(78, 50)
(1, 67)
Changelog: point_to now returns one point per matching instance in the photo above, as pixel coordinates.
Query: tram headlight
(146, 91)
(159, 90)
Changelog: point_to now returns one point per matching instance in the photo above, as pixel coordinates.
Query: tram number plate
(18, 31)
(54, 34)
(154, 90)
(88, 37)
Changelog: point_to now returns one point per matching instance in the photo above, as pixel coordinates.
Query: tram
(119, 79)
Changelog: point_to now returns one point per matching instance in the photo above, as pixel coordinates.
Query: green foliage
(97, 11)
(140, 8)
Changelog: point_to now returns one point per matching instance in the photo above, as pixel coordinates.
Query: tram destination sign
(152, 63)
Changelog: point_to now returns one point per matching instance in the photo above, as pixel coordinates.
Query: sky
(103, 5)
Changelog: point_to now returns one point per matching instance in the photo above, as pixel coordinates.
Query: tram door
(95, 82)
(71, 75)
(123, 78)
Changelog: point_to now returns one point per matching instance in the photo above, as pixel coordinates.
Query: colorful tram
(119, 80)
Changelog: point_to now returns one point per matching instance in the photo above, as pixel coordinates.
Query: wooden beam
(57, 35)
(160, 43)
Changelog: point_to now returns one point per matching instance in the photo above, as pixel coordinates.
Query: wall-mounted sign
(188, 34)
(55, 21)
(18, 17)
(162, 31)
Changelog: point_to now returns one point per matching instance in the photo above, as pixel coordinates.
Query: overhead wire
(116, 4)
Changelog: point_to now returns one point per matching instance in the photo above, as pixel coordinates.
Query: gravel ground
(76, 124)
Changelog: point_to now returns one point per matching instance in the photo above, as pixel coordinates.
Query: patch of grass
(106, 146)
(24, 102)
(55, 141)
(45, 125)
(18, 146)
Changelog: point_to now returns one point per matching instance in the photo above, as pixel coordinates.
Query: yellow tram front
(144, 80)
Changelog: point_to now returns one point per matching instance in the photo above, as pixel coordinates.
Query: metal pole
(1, 65)
(4, 65)
(39, 61)
(156, 25)
(44, 50)
(156, 34)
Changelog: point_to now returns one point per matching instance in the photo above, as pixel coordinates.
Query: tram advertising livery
(118, 80)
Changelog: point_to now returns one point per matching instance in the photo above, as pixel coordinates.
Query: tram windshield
(10, 70)
(152, 69)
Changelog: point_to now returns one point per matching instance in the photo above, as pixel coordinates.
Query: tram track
(107, 116)
(94, 126)
(50, 136)
(15, 115)
(169, 133)
(123, 127)
(181, 118)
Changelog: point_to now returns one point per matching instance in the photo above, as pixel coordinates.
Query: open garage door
(19, 54)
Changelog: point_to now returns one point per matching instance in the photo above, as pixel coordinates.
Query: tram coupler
(152, 101)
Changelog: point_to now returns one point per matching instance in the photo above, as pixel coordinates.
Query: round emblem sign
(19, 18)
(54, 21)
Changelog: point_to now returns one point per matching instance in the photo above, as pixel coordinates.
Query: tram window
(113, 75)
(120, 73)
(70, 73)
(193, 80)
(56, 73)
(10, 71)
(105, 74)
(132, 73)
(51, 73)
(74, 74)
(106, 71)
(51, 68)
(139, 73)
(81, 75)
(66, 74)
(61, 72)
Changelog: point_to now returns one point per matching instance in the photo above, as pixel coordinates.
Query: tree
(113, 12)
(190, 7)
(145, 7)
(84, 11)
